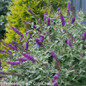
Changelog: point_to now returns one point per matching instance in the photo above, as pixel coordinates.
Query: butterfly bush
(52, 53)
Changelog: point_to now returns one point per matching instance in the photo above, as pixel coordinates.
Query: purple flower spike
(21, 38)
(70, 43)
(66, 41)
(26, 46)
(38, 42)
(29, 57)
(41, 38)
(56, 76)
(48, 21)
(12, 47)
(62, 19)
(73, 20)
(54, 83)
(54, 55)
(58, 9)
(14, 42)
(68, 7)
(34, 26)
(23, 59)
(12, 63)
(84, 36)
(29, 10)
(45, 15)
(17, 31)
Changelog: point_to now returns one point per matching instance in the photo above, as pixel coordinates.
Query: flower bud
(23, 59)
(73, 20)
(56, 76)
(38, 42)
(29, 57)
(68, 7)
(62, 19)
(12, 63)
(70, 43)
(41, 38)
(12, 47)
(54, 55)
(84, 36)
(26, 46)
(45, 15)
(48, 21)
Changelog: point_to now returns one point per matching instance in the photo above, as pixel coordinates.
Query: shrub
(55, 52)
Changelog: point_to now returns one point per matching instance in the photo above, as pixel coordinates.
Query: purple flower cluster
(34, 26)
(73, 20)
(84, 36)
(26, 46)
(12, 47)
(39, 42)
(62, 19)
(45, 15)
(12, 63)
(68, 7)
(55, 77)
(14, 42)
(29, 57)
(23, 59)
(48, 21)
(70, 43)
(54, 55)
(29, 10)
(54, 83)
(18, 32)
(41, 38)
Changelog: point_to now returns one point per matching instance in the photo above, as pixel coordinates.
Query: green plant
(58, 46)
